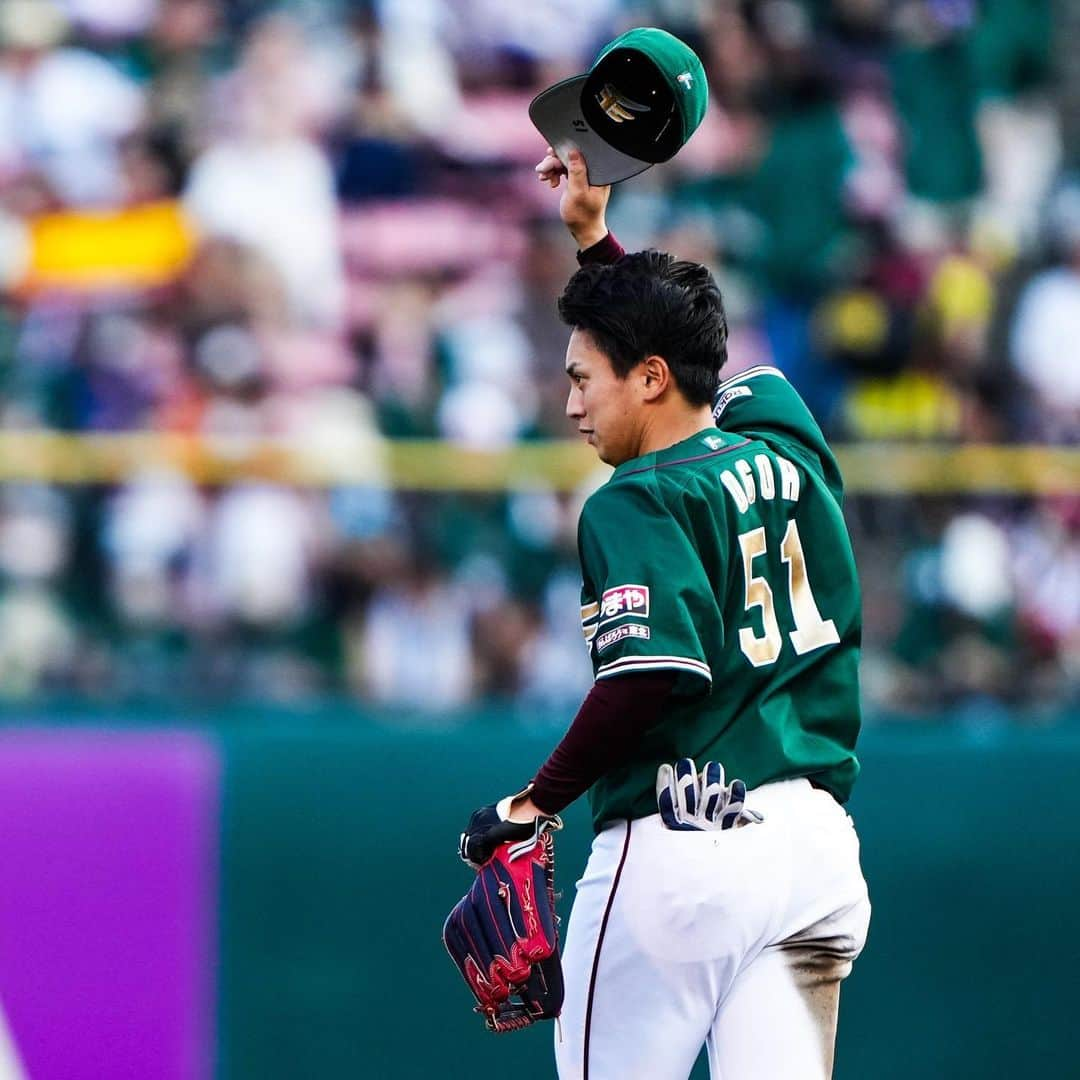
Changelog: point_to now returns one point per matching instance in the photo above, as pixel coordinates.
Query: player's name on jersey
(746, 482)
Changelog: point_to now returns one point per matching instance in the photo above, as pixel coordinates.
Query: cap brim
(557, 115)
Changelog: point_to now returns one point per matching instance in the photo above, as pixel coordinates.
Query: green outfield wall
(338, 864)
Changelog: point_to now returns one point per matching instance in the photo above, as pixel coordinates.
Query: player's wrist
(606, 250)
(589, 234)
(519, 808)
(523, 810)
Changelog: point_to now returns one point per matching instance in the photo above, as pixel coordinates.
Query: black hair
(650, 303)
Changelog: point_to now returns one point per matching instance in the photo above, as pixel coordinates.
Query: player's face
(604, 407)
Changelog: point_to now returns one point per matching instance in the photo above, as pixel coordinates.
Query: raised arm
(582, 207)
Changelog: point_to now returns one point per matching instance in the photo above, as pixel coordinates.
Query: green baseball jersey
(725, 559)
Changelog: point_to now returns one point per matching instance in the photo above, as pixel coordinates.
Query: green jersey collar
(704, 442)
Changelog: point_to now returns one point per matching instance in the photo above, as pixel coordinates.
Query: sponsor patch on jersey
(624, 600)
(728, 396)
(617, 633)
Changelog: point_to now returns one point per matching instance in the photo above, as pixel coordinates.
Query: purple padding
(108, 849)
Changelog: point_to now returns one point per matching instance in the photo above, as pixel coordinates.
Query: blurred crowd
(318, 221)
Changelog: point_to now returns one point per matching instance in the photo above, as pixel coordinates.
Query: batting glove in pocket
(690, 801)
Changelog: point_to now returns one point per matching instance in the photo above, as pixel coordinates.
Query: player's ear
(655, 377)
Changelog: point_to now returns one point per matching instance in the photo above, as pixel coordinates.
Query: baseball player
(723, 901)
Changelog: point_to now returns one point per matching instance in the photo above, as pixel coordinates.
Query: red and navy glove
(503, 933)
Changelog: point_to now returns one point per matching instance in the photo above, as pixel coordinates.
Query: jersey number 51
(811, 630)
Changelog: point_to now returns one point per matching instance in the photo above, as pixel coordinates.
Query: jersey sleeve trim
(654, 663)
(751, 373)
(733, 388)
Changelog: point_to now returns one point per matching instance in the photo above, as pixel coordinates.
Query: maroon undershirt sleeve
(615, 714)
(607, 250)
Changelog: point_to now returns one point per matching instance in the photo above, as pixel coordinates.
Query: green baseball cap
(636, 106)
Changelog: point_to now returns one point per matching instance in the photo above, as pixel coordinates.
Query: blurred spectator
(1045, 341)
(266, 182)
(176, 61)
(414, 647)
(258, 557)
(63, 110)
(1046, 569)
(556, 673)
(38, 645)
(150, 531)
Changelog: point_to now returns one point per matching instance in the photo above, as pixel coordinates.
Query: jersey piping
(653, 663)
(751, 372)
(738, 380)
(686, 460)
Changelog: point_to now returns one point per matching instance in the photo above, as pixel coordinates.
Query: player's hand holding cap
(635, 107)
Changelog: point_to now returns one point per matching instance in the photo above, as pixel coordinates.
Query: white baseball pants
(735, 939)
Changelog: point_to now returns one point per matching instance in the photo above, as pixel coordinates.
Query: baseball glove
(503, 933)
